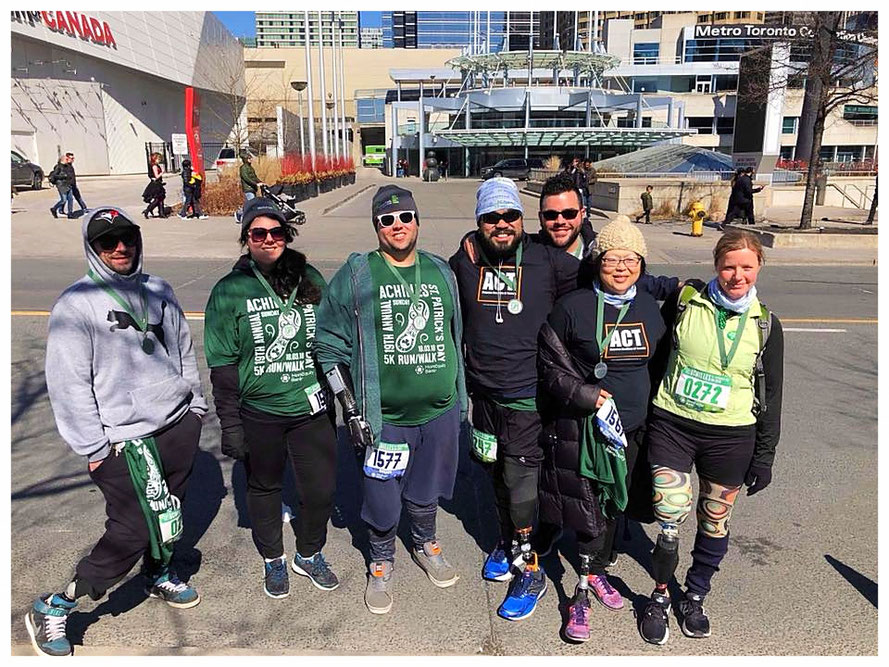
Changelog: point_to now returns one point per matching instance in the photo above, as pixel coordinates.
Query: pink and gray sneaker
(605, 593)
(578, 627)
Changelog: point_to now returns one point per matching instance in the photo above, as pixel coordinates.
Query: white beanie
(495, 194)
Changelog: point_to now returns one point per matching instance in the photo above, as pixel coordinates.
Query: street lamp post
(323, 84)
(299, 87)
(311, 98)
(336, 87)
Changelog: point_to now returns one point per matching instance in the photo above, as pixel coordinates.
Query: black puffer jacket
(566, 498)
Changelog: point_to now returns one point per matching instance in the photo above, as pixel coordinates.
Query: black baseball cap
(392, 198)
(106, 220)
(261, 206)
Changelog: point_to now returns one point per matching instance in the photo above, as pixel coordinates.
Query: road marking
(816, 330)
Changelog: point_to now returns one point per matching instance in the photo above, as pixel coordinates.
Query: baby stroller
(285, 202)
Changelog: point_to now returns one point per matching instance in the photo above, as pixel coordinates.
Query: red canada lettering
(74, 23)
(98, 35)
(49, 20)
(85, 26)
(109, 38)
(60, 23)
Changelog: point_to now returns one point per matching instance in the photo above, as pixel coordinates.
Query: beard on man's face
(499, 251)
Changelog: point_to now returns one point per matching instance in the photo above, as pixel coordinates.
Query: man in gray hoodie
(125, 391)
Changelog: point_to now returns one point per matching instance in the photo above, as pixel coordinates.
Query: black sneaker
(654, 624)
(317, 570)
(276, 583)
(54, 212)
(695, 623)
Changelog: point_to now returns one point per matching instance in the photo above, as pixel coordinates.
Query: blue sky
(242, 24)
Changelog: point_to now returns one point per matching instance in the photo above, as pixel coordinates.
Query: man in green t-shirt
(391, 319)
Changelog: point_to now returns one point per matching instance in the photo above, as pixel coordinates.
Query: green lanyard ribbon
(284, 307)
(724, 358)
(601, 339)
(511, 284)
(140, 320)
(415, 295)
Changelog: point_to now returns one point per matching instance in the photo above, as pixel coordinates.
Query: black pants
(75, 192)
(422, 522)
(601, 547)
(156, 203)
(194, 203)
(126, 534)
(647, 215)
(310, 443)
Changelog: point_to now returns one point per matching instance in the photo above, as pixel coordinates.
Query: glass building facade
(444, 30)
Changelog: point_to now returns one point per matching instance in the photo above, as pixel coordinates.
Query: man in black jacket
(62, 176)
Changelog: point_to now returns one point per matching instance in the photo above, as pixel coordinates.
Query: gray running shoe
(316, 569)
(378, 595)
(440, 572)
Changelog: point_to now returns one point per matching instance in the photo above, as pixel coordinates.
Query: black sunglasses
(109, 242)
(388, 219)
(493, 217)
(567, 213)
(258, 234)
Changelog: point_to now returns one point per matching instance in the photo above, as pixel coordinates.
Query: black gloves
(340, 381)
(233, 444)
(758, 477)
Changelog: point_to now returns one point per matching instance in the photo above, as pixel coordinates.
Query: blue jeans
(248, 196)
(65, 197)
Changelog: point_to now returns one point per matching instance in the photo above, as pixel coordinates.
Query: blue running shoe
(46, 621)
(525, 591)
(169, 588)
(276, 583)
(497, 566)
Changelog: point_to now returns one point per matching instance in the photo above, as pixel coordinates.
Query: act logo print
(628, 342)
(493, 290)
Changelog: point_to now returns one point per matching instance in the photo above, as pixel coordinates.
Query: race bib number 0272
(702, 391)
(387, 461)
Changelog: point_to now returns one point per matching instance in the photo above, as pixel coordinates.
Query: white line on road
(805, 330)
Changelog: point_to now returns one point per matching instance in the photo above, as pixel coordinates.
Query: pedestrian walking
(75, 190)
(128, 397)
(717, 408)
(593, 357)
(63, 177)
(391, 320)
(646, 205)
(155, 193)
(271, 402)
(192, 186)
(250, 182)
(591, 179)
(749, 191)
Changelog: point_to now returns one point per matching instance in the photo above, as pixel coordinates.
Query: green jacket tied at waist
(604, 464)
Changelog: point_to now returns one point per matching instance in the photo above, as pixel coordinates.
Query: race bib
(608, 421)
(484, 446)
(699, 390)
(387, 461)
(170, 522)
(317, 398)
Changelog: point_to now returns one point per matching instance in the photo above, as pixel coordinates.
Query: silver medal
(514, 306)
(600, 370)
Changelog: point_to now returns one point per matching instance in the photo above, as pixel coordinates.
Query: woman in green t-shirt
(259, 335)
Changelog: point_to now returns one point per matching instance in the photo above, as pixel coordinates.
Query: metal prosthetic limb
(340, 381)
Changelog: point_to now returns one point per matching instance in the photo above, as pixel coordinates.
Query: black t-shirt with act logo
(574, 319)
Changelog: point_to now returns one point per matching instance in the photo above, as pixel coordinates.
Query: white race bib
(386, 461)
(609, 423)
(317, 398)
(699, 390)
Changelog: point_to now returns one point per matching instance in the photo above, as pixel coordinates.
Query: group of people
(575, 377)
(585, 178)
(155, 192)
(65, 179)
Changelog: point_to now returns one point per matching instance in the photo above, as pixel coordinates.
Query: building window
(742, 15)
(848, 153)
(646, 53)
(789, 125)
(703, 124)
(787, 152)
(725, 125)
(720, 16)
(726, 82)
(858, 114)
(645, 86)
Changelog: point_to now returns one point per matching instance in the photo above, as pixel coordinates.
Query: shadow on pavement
(867, 587)
(206, 489)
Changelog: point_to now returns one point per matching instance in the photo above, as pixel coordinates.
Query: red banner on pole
(193, 129)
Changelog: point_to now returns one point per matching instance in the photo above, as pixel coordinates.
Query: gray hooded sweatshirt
(103, 386)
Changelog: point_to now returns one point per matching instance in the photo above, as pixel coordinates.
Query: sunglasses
(388, 219)
(259, 234)
(567, 213)
(493, 217)
(109, 241)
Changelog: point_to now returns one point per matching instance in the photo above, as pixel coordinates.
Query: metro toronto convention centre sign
(74, 24)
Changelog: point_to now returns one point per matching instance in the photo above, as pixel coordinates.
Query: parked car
(227, 157)
(24, 172)
(518, 168)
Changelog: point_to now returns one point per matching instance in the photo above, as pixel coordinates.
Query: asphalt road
(800, 576)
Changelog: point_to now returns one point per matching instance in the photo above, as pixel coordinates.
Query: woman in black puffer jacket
(580, 367)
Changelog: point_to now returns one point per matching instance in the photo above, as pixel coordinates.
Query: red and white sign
(75, 24)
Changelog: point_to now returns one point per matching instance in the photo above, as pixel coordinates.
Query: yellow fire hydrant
(697, 213)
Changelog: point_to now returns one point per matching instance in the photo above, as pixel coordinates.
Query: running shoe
(429, 558)
(316, 569)
(378, 594)
(605, 593)
(46, 622)
(654, 624)
(169, 588)
(695, 623)
(524, 592)
(578, 627)
(497, 566)
(276, 583)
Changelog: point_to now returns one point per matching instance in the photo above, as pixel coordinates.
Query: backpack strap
(764, 326)
(685, 295)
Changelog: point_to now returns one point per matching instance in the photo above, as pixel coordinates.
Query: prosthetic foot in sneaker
(654, 624)
(695, 623)
(429, 558)
(524, 592)
(378, 594)
(46, 622)
(578, 627)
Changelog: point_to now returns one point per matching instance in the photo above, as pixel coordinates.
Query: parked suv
(519, 168)
(24, 172)
(227, 157)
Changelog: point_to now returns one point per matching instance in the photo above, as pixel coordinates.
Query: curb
(352, 196)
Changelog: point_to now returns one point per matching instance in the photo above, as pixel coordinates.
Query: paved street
(800, 576)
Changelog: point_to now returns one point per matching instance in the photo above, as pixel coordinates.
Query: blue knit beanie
(495, 194)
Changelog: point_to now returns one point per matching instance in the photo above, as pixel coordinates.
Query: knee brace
(665, 556)
(715, 508)
(672, 495)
